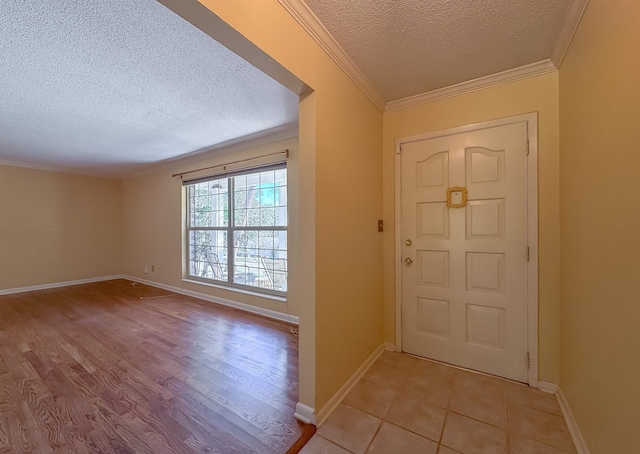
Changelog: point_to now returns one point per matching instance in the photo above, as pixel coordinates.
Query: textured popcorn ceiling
(111, 86)
(408, 47)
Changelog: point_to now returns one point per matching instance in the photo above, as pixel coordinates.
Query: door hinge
(528, 360)
(527, 147)
(528, 253)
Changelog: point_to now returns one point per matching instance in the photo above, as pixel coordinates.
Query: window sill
(282, 299)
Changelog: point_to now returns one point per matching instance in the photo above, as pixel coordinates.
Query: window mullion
(208, 229)
(263, 227)
(231, 254)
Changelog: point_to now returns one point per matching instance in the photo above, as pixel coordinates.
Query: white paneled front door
(464, 263)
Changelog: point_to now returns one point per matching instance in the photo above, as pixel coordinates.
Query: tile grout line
(505, 383)
(447, 409)
(374, 436)
(382, 418)
(446, 415)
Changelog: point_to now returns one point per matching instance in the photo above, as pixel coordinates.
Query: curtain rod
(284, 152)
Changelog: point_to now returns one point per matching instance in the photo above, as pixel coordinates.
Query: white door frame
(532, 225)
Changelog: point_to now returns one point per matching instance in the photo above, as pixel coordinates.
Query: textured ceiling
(109, 87)
(408, 47)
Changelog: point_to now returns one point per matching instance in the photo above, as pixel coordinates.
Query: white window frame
(231, 229)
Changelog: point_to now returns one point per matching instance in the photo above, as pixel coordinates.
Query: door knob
(408, 261)
(408, 242)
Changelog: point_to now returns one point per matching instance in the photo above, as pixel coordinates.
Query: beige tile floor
(409, 405)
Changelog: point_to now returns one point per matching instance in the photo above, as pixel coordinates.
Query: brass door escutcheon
(456, 197)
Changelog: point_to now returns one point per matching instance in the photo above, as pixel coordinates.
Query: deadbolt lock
(408, 261)
(408, 242)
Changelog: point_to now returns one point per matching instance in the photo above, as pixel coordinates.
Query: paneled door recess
(464, 249)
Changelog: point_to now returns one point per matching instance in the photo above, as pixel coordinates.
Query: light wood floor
(115, 368)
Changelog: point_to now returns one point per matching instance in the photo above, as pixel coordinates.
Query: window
(237, 230)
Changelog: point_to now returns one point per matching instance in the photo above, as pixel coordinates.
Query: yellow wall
(539, 94)
(600, 218)
(57, 227)
(153, 221)
(345, 149)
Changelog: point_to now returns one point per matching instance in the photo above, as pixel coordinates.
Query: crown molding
(312, 25)
(571, 21)
(254, 140)
(504, 77)
(48, 168)
(28, 165)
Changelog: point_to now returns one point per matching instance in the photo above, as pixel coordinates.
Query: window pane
(261, 258)
(281, 216)
(280, 213)
(267, 178)
(208, 254)
(253, 217)
(268, 216)
(240, 207)
(209, 204)
(281, 177)
(261, 199)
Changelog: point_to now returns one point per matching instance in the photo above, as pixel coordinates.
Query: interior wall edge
(335, 400)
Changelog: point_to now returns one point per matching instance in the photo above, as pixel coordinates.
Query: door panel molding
(531, 122)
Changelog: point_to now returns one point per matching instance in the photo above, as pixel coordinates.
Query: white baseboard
(389, 346)
(328, 408)
(283, 317)
(294, 320)
(305, 413)
(33, 288)
(572, 425)
(547, 387)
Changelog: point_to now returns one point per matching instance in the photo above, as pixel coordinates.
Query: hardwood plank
(307, 432)
(112, 367)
